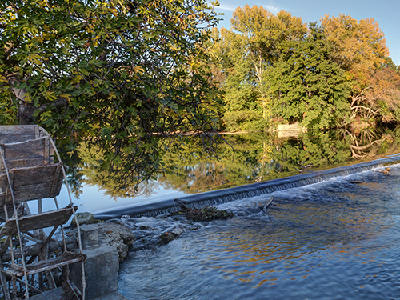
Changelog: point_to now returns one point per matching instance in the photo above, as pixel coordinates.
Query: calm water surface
(188, 170)
(333, 240)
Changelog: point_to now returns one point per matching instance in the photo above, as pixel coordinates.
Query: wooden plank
(35, 249)
(37, 132)
(63, 260)
(30, 183)
(37, 148)
(34, 222)
(27, 193)
(17, 133)
(10, 211)
(28, 153)
(3, 182)
(34, 175)
(27, 162)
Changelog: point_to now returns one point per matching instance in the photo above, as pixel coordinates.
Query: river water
(337, 239)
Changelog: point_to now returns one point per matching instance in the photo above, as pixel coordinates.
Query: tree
(118, 71)
(247, 51)
(359, 47)
(307, 85)
(381, 98)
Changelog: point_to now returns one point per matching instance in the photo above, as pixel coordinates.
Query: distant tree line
(276, 69)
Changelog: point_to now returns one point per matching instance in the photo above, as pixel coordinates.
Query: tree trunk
(25, 109)
(25, 113)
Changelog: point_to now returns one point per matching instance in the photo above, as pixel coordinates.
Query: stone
(56, 294)
(84, 218)
(90, 236)
(177, 230)
(101, 269)
(113, 234)
(116, 235)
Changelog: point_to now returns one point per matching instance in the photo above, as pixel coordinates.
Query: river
(332, 240)
(336, 239)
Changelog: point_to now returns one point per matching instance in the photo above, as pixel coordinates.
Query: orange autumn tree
(359, 47)
(384, 94)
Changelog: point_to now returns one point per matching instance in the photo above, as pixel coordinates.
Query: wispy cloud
(226, 7)
(272, 8)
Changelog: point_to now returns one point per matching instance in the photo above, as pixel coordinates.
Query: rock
(116, 235)
(177, 230)
(84, 218)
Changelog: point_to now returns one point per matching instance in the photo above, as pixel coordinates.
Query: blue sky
(385, 12)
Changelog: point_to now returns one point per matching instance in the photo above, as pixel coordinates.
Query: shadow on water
(332, 240)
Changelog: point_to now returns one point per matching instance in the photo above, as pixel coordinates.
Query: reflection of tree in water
(186, 166)
(193, 179)
(73, 170)
(123, 175)
(90, 165)
(368, 143)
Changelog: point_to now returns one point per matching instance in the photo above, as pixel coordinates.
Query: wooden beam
(45, 265)
(34, 222)
(30, 183)
(17, 133)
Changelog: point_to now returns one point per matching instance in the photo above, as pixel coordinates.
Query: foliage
(356, 80)
(307, 86)
(113, 71)
(246, 52)
(8, 110)
(359, 47)
(382, 97)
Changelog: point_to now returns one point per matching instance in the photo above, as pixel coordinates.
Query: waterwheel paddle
(28, 172)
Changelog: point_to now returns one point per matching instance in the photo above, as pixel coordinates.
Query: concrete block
(89, 236)
(56, 294)
(112, 296)
(101, 269)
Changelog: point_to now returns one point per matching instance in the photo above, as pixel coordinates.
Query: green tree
(247, 52)
(116, 71)
(308, 86)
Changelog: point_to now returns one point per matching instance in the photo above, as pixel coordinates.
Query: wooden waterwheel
(29, 174)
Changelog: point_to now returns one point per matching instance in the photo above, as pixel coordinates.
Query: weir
(231, 194)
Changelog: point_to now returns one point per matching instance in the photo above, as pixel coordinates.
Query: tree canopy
(247, 51)
(274, 69)
(123, 74)
(359, 47)
(308, 86)
(122, 71)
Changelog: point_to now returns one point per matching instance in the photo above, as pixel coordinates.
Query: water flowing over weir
(246, 191)
(336, 239)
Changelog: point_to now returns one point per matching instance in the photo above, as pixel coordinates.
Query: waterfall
(213, 198)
